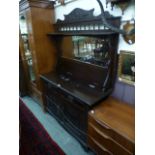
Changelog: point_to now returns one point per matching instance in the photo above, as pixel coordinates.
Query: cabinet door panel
(51, 106)
(26, 50)
(76, 114)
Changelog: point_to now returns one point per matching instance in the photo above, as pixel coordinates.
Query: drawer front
(107, 141)
(111, 133)
(98, 148)
(54, 107)
(50, 89)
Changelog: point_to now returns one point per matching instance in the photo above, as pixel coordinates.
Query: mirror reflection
(92, 50)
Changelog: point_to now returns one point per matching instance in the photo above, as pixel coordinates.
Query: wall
(122, 91)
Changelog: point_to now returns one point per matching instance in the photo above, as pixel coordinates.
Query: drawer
(54, 107)
(51, 89)
(98, 148)
(111, 133)
(106, 141)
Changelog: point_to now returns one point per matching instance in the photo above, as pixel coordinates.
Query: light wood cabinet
(111, 128)
(36, 19)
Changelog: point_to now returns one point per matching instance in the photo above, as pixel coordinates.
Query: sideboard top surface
(88, 95)
(116, 115)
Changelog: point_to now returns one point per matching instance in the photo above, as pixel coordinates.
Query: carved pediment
(79, 15)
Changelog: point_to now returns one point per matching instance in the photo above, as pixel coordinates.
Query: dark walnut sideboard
(69, 99)
(79, 84)
(111, 128)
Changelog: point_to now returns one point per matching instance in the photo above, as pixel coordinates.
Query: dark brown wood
(117, 1)
(77, 18)
(83, 72)
(84, 93)
(75, 86)
(39, 17)
(101, 76)
(94, 33)
(69, 110)
(111, 125)
(68, 94)
(82, 18)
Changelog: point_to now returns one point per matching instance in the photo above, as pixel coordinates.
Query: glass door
(27, 50)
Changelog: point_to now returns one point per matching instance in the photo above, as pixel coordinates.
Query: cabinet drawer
(98, 148)
(107, 141)
(50, 89)
(54, 107)
(111, 133)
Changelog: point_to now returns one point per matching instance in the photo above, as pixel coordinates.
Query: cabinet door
(26, 52)
(22, 79)
(52, 107)
(75, 118)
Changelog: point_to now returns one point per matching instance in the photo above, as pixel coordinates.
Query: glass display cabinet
(36, 50)
(27, 51)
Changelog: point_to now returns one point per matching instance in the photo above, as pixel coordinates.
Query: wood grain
(112, 125)
(39, 19)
